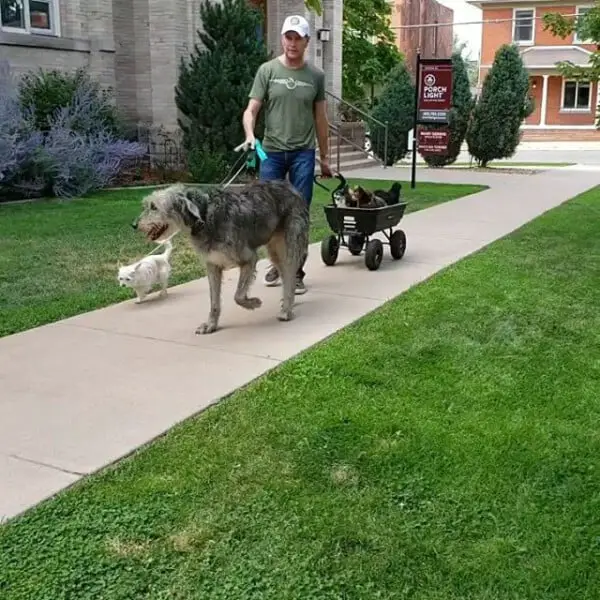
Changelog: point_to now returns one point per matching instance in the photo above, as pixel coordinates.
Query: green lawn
(445, 447)
(58, 259)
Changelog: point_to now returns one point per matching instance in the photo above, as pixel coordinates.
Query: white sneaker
(272, 277)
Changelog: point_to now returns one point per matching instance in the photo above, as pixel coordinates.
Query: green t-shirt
(288, 97)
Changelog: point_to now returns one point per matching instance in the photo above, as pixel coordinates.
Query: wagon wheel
(374, 254)
(330, 248)
(356, 241)
(398, 244)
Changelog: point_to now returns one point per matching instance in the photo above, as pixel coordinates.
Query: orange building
(564, 109)
(434, 42)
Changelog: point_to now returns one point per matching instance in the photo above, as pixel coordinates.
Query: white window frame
(564, 109)
(522, 9)
(576, 40)
(54, 31)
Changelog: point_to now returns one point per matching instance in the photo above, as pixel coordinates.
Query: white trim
(514, 25)
(544, 107)
(562, 97)
(576, 40)
(54, 10)
(561, 47)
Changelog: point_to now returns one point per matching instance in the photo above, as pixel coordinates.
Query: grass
(59, 259)
(445, 447)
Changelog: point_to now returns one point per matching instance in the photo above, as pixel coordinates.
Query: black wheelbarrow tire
(356, 241)
(398, 244)
(330, 248)
(374, 254)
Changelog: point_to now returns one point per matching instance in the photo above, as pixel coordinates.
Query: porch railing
(355, 126)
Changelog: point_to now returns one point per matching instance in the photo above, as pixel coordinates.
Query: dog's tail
(168, 249)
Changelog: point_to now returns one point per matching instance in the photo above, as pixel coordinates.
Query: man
(293, 95)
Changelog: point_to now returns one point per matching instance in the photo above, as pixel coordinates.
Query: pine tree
(460, 113)
(494, 130)
(396, 107)
(213, 85)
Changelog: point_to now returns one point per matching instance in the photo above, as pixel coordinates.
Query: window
(577, 95)
(581, 11)
(30, 16)
(523, 25)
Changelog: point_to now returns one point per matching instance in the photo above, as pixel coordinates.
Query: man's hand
(325, 169)
(248, 144)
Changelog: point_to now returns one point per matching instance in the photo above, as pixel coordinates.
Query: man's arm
(250, 114)
(322, 127)
(257, 95)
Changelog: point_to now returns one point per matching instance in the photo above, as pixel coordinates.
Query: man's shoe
(300, 287)
(272, 277)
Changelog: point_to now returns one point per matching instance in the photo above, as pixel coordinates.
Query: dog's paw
(285, 315)
(250, 303)
(206, 328)
(162, 293)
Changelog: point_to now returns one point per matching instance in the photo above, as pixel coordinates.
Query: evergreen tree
(396, 107)
(460, 113)
(494, 130)
(213, 85)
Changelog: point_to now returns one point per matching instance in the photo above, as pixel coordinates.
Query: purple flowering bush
(75, 155)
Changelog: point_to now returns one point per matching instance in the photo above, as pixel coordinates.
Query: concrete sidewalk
(81, 393)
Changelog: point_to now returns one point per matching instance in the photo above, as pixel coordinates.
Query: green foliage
(42, 93)
(588, 27)
(494, 130)
(206, 166)
(315, 6)
(460, 113)
(396, 107)
(366, 64)
(213, 85)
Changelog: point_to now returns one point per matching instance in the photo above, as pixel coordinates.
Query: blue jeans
(299, 166)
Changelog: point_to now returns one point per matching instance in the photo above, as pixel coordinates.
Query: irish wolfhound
(227, 226)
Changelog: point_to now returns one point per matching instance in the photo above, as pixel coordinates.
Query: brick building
(434, 42)
(564, 110)
(135, 46)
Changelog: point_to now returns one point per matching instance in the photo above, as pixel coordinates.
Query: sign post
(433, 101)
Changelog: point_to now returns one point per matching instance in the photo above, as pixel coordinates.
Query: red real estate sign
(435, 91)
(433, 141)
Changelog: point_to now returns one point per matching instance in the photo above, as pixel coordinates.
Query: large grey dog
(227, 227)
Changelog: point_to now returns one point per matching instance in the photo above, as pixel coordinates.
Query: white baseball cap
(296, 23)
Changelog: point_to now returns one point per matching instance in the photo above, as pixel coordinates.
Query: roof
(546, 57)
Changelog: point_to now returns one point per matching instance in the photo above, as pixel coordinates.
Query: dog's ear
(192, 208)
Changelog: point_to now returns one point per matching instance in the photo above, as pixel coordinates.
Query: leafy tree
(366, 64)
(396, 107)
(494, 130)
(587, 27)
(212, 90)
(460, 113)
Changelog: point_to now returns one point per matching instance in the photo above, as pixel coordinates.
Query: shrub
(42, 93)
(77, 162)
(72, 156)
(460, 113)
(494, 130)
(212, 90)
(396, 107)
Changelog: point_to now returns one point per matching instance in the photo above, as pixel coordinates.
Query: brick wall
(86, 40)
(493, 35)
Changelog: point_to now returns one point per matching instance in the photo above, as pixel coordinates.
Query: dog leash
(261, 154)
(160, 245)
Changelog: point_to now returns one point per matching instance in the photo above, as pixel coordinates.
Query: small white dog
(142, 275)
